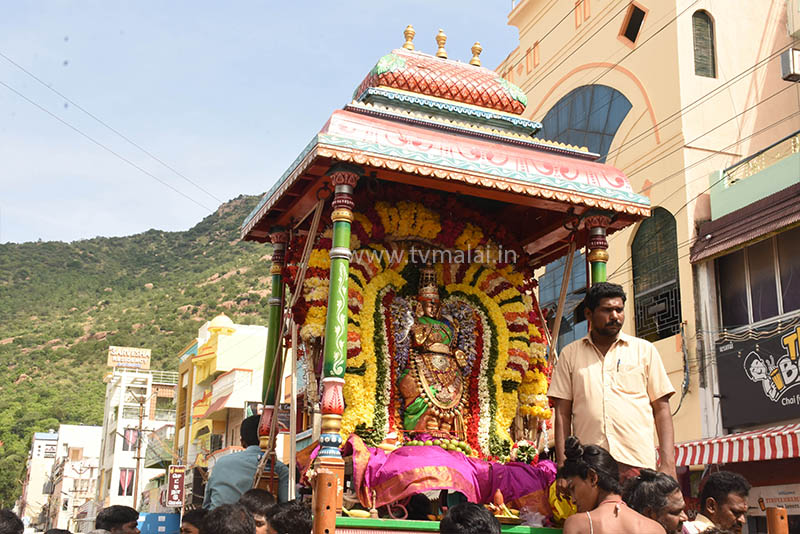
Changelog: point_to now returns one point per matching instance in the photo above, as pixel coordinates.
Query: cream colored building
(74, 475)
(220, 373)
(668, 91)
(37, 485)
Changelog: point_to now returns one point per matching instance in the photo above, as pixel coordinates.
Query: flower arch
(507, 370)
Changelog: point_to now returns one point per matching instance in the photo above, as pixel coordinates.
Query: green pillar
(598, 246)
(279, 238)
(329, 465)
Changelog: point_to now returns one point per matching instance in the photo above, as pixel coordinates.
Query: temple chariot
(405, 238)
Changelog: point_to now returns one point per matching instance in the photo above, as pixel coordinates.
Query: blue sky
(226, 93)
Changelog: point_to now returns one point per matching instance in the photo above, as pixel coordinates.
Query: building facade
(36, 487)
(668, 92)
(138, 402)
(74, 474)
(220, 377)
(684, 97)
(746, 261)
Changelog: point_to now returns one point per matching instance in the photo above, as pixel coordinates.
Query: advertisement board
(759, 375)
(176, 478)
(131, 357)
(785, 496)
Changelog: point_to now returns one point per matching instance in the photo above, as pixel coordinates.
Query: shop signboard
(132, 357)
(784, 496)
(175, 485)
(759, 375)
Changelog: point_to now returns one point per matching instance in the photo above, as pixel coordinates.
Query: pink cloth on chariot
(415, 469)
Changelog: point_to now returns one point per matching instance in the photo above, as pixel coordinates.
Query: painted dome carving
(429, 75)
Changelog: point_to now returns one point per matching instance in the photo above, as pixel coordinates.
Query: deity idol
(433, 384)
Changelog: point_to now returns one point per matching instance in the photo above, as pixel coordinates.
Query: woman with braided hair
(592, 477)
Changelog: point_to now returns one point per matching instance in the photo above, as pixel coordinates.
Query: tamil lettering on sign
(132, 357)
(759, 378)
(175, 485)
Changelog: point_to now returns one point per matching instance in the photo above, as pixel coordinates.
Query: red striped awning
(775, 443)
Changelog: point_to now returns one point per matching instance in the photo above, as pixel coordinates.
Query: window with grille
(703, 34)
(216, 442)
(656, 293)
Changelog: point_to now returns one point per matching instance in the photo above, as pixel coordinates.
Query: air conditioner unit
(790, 65)
(793, 18)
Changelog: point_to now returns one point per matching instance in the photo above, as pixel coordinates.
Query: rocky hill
(63, 304)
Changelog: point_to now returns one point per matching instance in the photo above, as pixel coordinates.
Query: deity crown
(428, 290)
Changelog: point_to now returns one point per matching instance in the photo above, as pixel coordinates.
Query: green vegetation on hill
(63, 304)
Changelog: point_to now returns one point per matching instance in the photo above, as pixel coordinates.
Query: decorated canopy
(442, 124)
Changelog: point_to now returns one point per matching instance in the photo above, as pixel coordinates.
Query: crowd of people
(611, 396)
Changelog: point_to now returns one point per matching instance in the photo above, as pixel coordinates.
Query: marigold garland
(509, 374)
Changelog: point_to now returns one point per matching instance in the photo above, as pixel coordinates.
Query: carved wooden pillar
(329, 466)
(597, 245)
(279, 238)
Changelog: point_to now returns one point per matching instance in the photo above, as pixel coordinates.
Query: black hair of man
(469, 518)
(257, 501)
(603, 290)
(228, 519)
(57, 531)
(650, 489)
(195, 517)
(249, 430)
(10, 523)
(580, 459)
(293, 517)
(115, 516)
(719, 485)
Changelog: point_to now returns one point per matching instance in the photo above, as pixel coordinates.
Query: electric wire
(101, 145)
(99, 120)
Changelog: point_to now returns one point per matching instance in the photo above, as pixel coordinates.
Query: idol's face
(430, 308)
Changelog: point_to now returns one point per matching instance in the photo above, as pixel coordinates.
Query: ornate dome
(424, 74)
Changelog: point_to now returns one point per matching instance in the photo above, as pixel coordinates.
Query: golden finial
(476, 51)
(409, 34)
(441, 39)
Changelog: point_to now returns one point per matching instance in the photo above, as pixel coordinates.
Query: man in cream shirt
(610, 389)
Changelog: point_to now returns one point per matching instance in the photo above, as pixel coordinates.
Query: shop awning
(775, 443)
(754, 221)
(217, 406)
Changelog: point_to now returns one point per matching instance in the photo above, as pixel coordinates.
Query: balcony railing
(762, 159)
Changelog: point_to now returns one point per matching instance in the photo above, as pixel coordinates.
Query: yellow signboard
(132, 357)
